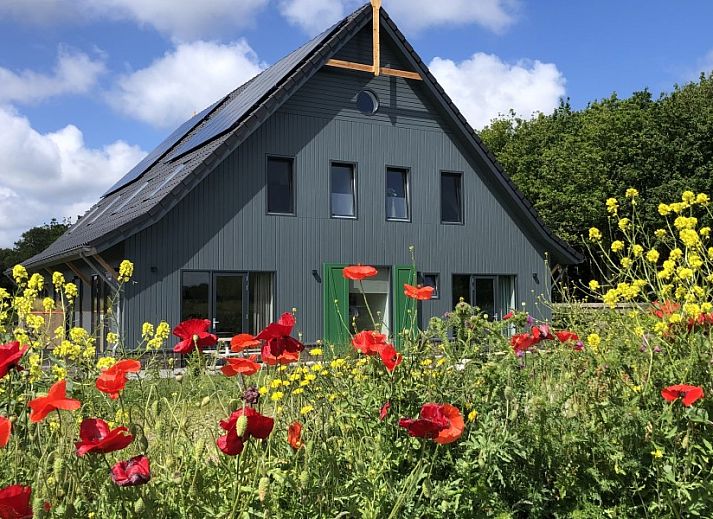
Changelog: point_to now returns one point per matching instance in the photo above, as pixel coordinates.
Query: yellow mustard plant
(632, 193)
(71, 291)
(595, 234)
(594, 285)
(594, 341)
(612, 206)
(19, 274)
(126, 270)
(58, 280)
(617, 246)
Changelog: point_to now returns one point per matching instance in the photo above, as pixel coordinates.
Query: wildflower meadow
(592, 413)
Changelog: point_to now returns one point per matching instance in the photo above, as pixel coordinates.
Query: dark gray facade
(221, 223)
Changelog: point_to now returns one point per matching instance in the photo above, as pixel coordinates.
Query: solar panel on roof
(162, 148)
(108, 206)
(130, 198)
(175, 172)
(234, 111)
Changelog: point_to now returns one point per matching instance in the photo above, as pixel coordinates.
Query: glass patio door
(230, 311)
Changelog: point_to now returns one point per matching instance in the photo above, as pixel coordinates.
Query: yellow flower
(611, 298)
(626, 263)
(277, 396)
(624, 224)
(36, 282)
(612, 206)
(147, 331)
(652, 256)
(54, 427)
(105, 362)
(426, 362)
(631, 193)
(262, 390)
(276, 383)
(688, 197)
(112, 338)
(706, 307)
(298, 391)
(306, 409)
(126, 270)
(689, 237)
(19, 274)
(595, 234)
(57, 280)
(594, 285)
(637, 250)
(636, 389)
(594, 340)
(702, 198)
(59, 372)
(675, 318)
(71, 291)
(660, 233)
(316, 352)
(472, 415)
(675, 254)
(664, 209)
(639, 331)
(657, 453)
(694, 260)
(683, 222)
(617, 246)
(692, 309)
(677, 207)
(48, 304)
(684, 273)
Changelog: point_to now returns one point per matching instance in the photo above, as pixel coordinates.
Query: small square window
(431, 280)
(343, 191)
(451, 197)
(280, 186)
(397, 194)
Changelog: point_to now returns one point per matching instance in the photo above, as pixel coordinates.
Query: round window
(367, 102)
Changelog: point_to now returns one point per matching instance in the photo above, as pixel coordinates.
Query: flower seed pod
(304, 479)
(57, 468)
(241, 425)
(139, 506)
(263, 487)
(198, 448)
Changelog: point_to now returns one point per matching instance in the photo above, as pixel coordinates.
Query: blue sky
(89, 86)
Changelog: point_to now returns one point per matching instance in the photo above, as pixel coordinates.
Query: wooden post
(375, 7)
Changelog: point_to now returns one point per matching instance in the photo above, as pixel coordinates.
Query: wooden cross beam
(375, 68)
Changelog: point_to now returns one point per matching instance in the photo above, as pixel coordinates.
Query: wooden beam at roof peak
(401, 73)
(375, 8)
(350, 65)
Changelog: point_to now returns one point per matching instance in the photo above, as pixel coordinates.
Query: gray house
(345, 151)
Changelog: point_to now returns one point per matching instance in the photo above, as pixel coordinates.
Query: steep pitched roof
(178, 164)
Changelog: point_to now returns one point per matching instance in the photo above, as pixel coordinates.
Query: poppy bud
(57, 468)
(241, 425)
(426, 487)
(205, 401)
(179, 377)
(139, 506)
(263, 487)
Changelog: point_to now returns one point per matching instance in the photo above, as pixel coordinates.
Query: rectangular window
(280, 186)
(451, 197)
(343, 190)
(195, 295)
(431, 280)
(461, 289)
(397, 194)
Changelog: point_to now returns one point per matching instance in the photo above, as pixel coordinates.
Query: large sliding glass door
(234, 302)
(493, 295)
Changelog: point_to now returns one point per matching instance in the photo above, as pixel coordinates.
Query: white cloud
(182, 20)
(484, 86)
(74, 73)
(411, 15)
(184, 81)
(52, 175)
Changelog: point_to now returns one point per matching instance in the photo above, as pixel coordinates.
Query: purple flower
(251, 395)
(578, 346)
(530, 320)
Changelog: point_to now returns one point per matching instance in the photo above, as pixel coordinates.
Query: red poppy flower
(56, 399)
(258, 426)
(665, 308)
(243, 341)
(565, 336)
(277, 336)
(455, 425)
(441, 422)
(285, 358)
(5, 429)
(15, 502)
(384, 410)
(390, 357)
(133, 472)
(689, 394)
(420, 293)
(96, 436)
(240, 366)
(359, 272)
(542, 332)
(294, 435)
(508, 315)
(193, 333)
(521, 342)
(10, 355)
(113, 380)
(368, 342)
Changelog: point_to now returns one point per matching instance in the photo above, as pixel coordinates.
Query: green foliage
(568, 162)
